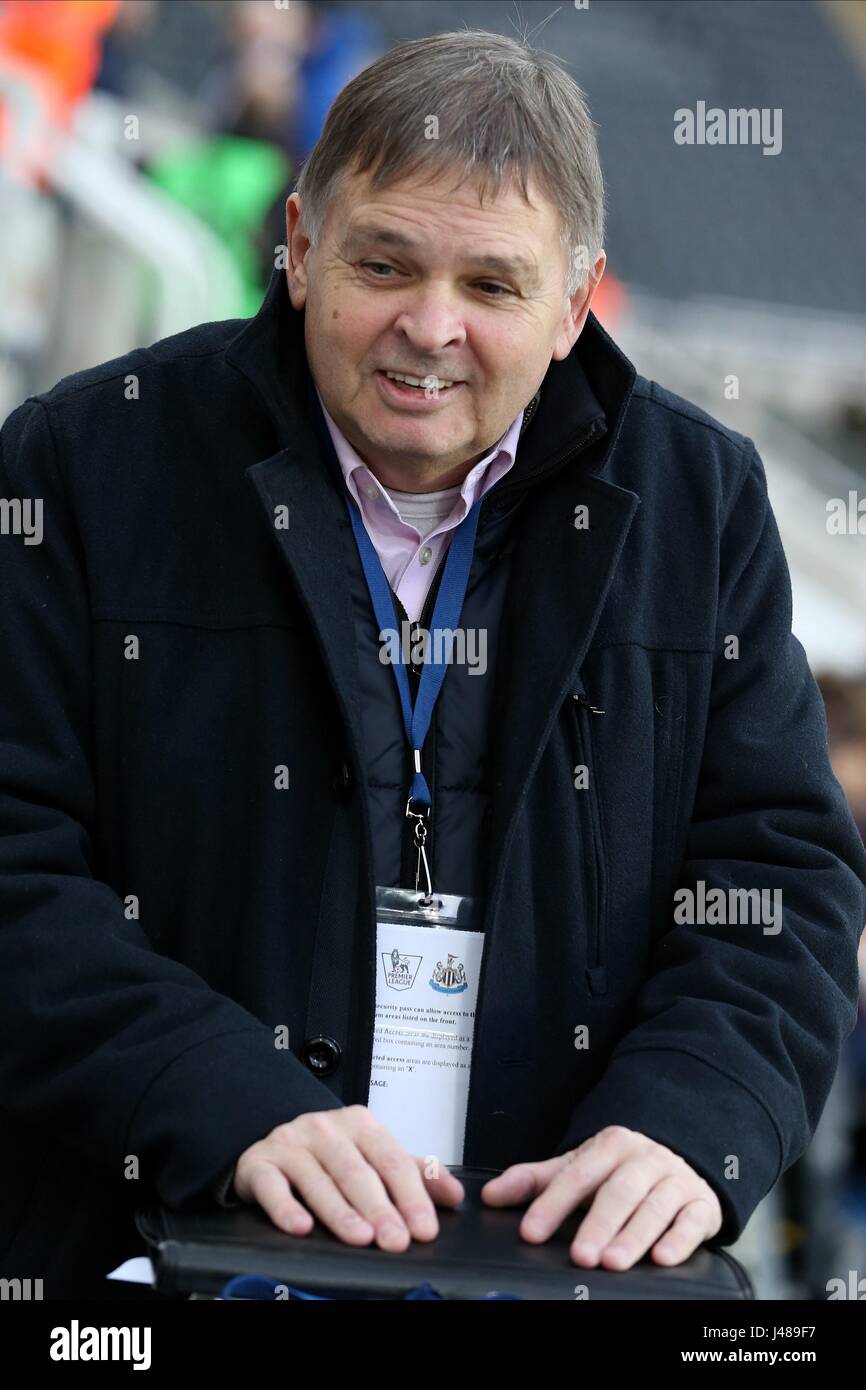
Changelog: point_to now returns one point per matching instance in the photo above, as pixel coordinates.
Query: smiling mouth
(428, 395)
(421, 381)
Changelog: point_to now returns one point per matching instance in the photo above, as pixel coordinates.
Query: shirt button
(425, 554)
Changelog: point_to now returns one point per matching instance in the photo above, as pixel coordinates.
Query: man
(205, 772)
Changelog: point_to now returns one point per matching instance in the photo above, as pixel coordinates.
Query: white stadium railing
(692, 349)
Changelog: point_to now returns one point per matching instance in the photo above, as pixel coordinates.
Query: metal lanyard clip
(419, 835)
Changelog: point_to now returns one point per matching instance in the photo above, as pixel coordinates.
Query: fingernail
(389, 1230)
(584, 1251)
(619, 1254)
(353, 1221)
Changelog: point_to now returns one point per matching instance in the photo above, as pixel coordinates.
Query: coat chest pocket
(586, 780)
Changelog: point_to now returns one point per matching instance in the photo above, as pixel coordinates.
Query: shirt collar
(500, 457)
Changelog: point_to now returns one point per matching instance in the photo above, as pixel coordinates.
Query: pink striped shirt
(409, 559)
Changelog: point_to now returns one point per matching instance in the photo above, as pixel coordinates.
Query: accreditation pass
(426, 991)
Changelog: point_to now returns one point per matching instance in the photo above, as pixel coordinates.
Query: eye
(487, 285)
(368, 265)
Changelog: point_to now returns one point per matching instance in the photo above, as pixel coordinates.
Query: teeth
(432, 381)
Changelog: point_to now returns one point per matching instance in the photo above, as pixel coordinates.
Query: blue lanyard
(446, 614)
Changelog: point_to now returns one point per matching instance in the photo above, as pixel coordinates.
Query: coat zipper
(596, 427)
(596, 974)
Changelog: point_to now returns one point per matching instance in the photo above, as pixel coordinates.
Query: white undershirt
(424, 510)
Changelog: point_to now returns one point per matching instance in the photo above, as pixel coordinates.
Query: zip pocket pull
(580, 698)
(596, 978)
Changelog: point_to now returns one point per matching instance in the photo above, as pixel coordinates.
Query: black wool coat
(167, 648)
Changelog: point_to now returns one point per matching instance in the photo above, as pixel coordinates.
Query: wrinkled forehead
(517, 239)
(506, 205)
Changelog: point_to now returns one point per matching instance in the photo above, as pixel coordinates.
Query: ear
(297, 246)
(578, 308)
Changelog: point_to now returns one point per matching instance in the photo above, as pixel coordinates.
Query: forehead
(409, 216)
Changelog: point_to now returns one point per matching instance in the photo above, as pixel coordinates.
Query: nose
(430, 321)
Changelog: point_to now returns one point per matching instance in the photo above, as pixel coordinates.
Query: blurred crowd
(260, 78)
(845, 706)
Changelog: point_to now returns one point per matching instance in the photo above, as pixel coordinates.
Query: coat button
(343, 781)
(321, 1054)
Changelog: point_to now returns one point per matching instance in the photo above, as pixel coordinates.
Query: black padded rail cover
(478, 1252)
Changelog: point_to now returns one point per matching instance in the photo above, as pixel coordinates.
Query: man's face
(420, 280)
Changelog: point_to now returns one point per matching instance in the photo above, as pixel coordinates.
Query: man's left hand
(646, 1196)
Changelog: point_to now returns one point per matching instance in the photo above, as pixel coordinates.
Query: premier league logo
(400, 971)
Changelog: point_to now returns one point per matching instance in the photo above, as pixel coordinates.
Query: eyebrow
(518, 267)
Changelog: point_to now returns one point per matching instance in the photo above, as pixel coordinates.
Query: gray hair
(502, 107)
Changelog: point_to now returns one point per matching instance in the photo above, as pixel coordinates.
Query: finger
(323, 1197)
(615, 1202)
(579, 1177)
(693, 1225)
(445, 1189)
(521, 1182)
(271, 1189)
(357, 1179)
(401, 1178)
(654, 1215)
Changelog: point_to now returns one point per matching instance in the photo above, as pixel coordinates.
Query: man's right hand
(351, 1173)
